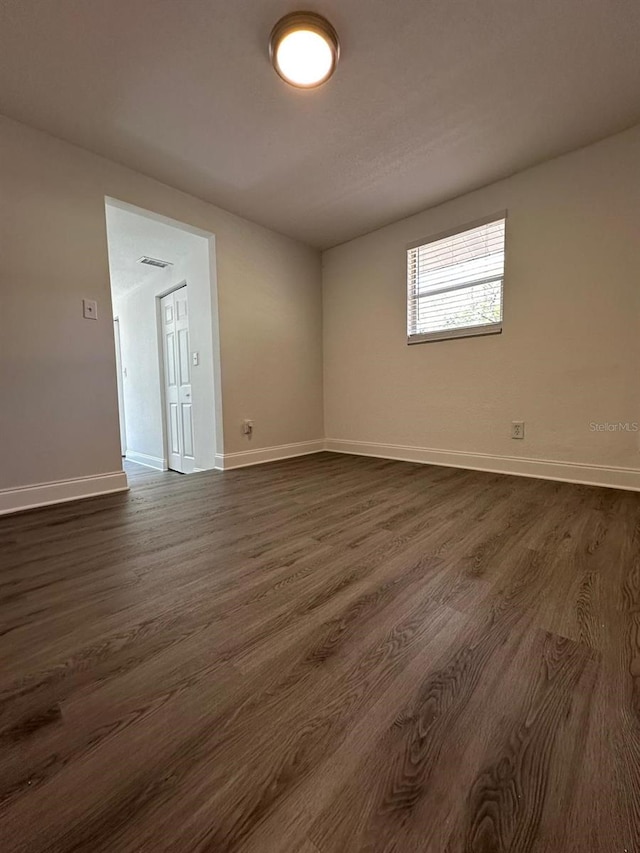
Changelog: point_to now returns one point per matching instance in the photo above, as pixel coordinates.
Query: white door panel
(171, 358)
(177, 367)
(174, 429)
(183, 361)
(187, 429)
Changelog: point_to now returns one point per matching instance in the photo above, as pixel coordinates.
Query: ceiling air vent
(154, 262)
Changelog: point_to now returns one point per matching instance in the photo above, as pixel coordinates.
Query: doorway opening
(165, 333)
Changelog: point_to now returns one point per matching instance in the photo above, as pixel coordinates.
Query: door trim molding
(543, 469)
(227, 461)
(122, 419)
(61, 491)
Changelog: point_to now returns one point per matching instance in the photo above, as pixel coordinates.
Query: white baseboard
(155, 462)
(544, 469)
(44, 494)
(243, 458)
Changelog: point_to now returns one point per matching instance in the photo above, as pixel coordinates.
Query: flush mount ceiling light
(304, 49)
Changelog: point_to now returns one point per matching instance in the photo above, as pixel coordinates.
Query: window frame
(462, 331)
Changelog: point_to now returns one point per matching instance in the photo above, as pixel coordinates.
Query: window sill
(469, 332)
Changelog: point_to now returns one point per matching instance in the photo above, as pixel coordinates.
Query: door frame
(163, 379)
(120, 383)
(204, 288)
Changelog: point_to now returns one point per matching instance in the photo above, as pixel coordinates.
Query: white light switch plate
(89, 309)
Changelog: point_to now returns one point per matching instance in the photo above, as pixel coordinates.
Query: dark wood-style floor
(324, 655)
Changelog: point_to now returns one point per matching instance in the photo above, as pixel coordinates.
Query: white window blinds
(455, 284)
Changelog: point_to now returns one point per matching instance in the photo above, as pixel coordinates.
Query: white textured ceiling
(131, 236)
(431, 98)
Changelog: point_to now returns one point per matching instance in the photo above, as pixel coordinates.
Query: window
(455, 283)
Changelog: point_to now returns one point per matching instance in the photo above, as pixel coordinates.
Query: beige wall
(569, 354)
(58, 415)
(570, 351)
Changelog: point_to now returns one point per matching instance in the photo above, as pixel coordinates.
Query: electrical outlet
(89, 309)
(247, 427)
(517, 429)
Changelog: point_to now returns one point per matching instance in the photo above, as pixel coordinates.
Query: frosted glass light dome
(304, 49)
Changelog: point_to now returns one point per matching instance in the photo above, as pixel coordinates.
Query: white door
(119, 379)
(177, 380)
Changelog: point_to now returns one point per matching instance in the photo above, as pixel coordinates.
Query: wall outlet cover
(517, 429)
(89, 309)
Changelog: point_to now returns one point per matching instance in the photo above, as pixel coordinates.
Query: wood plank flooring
(324, 655)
